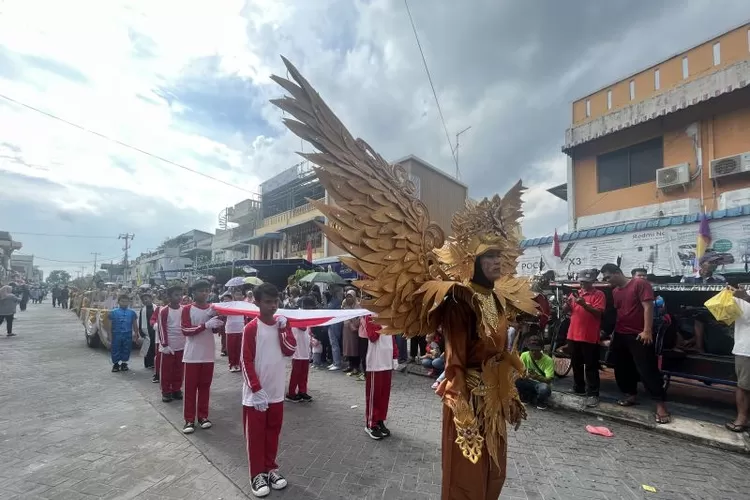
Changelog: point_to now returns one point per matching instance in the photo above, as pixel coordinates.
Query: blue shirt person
(124, 325)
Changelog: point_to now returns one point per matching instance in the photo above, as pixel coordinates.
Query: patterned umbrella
(236, 281)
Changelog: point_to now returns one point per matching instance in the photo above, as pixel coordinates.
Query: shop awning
(266, 236)
(316, 219)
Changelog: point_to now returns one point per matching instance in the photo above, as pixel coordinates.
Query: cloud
(189, 82)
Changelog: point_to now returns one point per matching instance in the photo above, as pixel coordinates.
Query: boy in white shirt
(265, 343)
(741, 353)
(301, 360)
(171, 345)
(381, 353)
(198, 326)
(233, 328)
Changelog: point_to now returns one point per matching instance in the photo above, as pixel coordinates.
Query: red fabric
(395, 347)
(556, 245)
(198, 378)
(628, 302)
(298, 378)
(262, 430)
(544, 310)
(584, 326)
(188, 329)
(287, 341)
(377, 396)
(233, 348)
(309, 251)
(373, 329)
(170, 376)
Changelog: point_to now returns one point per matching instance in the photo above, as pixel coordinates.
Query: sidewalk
(698, 412)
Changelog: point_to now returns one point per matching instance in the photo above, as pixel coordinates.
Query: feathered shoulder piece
(375, 217)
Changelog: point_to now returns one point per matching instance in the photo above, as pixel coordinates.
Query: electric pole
(127, 237)
(457, 144)
(95, 254)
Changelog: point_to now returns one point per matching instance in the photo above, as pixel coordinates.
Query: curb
(689, 429)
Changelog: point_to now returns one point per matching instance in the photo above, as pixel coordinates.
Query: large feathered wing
(376, 217)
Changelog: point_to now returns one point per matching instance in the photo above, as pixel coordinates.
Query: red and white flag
(297, 318)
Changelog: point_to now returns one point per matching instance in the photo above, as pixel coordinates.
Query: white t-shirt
(234, 324)
(742, 330)
(268, 362)
(380, 354)
(200, 347)
(174, 329)
(303, 343)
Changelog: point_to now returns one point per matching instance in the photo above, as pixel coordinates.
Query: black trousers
(363, 343)
(584, 359)
(54, 301)
(8, 323)
(634, 361)
(148, 359)
(417, 344)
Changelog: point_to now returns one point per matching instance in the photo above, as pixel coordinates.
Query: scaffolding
(289, 190)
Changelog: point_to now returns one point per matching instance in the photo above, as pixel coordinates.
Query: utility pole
(127, 237)
(457, 145)
(95, 254)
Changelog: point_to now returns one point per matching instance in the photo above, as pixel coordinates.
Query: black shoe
(124, 367)
(580, 392)
(259, 486)
(223, 354)
(383, 429)
(189, 428)
(115, 368)
(304, 397)
(155, 378)
(11, 335)
(374, 432)
(177, 395)
(293, 399)
(204, 423)
(276, 480)
(166, 397)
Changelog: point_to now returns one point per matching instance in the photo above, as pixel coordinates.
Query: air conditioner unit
(276, 255)
(730, 165)
(671, 177)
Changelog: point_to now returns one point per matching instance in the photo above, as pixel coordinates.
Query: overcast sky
(189, 82)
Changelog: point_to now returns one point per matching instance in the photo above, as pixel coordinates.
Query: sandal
(627, 402)
(735, 427)
(662, 419)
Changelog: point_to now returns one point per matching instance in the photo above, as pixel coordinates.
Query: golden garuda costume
(419, 280)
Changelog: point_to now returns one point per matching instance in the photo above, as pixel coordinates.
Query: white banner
(668, 251)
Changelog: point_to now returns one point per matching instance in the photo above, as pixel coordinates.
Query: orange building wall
(734, 48)
(723, 135)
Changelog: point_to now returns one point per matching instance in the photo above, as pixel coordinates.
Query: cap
(588, 275)
(534, 344)
(709, 257)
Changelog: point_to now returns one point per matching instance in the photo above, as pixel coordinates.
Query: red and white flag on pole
(309, 251)
(297, 318)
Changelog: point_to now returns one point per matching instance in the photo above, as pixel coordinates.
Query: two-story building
(648, 153)
(7, 247)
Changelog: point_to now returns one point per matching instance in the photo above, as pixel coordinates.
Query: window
(717, 53)
(629, 166)
(588, 108)
(632, 89)
(685, 71)
(657, 80)
(609, 99)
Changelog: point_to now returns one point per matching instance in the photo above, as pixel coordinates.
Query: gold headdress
(376, 218)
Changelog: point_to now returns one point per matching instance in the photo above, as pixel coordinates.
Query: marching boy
(301, 361)
(124, 333)
(381, 352)
(233, 328)
(171, 345)
(265, 343)
(198, 327)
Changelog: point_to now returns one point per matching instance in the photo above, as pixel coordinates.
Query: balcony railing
(285, 216)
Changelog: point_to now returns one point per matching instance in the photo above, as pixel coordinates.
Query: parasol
(329, 278)
(236, 281)
(252, 280)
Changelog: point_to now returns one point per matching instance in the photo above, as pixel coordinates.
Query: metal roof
(638, 226)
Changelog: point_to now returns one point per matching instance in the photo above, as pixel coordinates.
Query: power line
(432, 86)
(119, 142)
(64, 235)
(74, 261)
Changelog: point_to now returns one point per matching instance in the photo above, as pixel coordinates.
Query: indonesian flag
(297, 318)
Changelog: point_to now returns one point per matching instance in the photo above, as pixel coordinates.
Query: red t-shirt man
(585, 326)
(629, 304)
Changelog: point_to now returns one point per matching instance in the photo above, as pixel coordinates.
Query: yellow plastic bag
(723, 307)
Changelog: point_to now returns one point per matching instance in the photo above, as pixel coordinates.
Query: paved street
(72, 430)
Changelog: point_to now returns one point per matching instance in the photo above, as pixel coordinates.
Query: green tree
(58, 277)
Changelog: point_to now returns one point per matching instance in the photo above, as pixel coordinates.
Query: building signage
(668, 251)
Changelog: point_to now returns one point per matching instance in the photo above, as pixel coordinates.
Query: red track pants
(298, 378)
(234, 348)
(198, 377)
(262, 429)
(377, 396)
(170, 372)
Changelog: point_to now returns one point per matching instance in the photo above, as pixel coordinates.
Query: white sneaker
(334, 368)
(277, 480)
(259, 486)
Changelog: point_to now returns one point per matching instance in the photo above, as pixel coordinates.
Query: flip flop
(662, 419)
(735, 428)
(626, 402)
